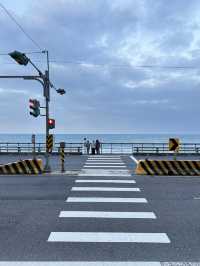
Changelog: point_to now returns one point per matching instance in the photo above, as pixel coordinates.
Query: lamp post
(22, 59)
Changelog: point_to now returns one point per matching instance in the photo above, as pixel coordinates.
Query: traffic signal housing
(61, 91)
(34, 107)
(51, 123)
(20, 58)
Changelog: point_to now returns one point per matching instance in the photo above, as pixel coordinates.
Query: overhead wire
(112, 65)
(123, 65)
(20, 27)
(82, 63)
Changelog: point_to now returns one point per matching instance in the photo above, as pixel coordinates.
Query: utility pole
(47, 167)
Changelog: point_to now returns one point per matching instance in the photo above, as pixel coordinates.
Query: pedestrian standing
(84, 145)
(88, 146)
(93, 147)
(97, 146)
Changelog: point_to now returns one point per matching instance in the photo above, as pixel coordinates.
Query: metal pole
(47, 167)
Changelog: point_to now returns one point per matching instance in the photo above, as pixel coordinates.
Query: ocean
(120, 138)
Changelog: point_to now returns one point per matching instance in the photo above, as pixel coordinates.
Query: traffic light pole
(47, 167)
(44, 80)
(22, 59)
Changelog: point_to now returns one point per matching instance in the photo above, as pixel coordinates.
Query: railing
(106, 148)
(6, 147)
(147, 148)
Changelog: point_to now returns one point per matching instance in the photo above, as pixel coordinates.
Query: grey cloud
(113, 33)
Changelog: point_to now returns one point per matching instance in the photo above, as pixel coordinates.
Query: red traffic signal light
(51, 123)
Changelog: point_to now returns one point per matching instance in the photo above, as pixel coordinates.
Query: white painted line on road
(108, 237)
(99, 214)
(180, 263)
(104, 156)
(86, 263)
(103, 175)
(97, 263)
(196, 198)
(106, 199)
(105, 189)
(96, 163)
(111, 159)
(104, 159)
(104, 166)
(105, 181)
(134, 159)
(104, 172)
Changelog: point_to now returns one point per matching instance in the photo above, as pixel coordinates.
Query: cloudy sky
(98, 51)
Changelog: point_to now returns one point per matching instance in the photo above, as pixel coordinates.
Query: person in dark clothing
(93, 147)
(87, 146)
(97, 146)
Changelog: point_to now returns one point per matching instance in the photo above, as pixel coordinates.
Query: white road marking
(84, 263)
(180, 263)
(104, 166)
(105, 189)
(108, 237)
(104, 172)
(99, 214)
(134, 159)
(100, 157)
(106, 199)
(114, 159)
(104, 159)
(96, 163)
(97, 263)
(105, 181)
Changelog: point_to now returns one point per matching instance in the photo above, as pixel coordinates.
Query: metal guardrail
(147, 148)
(19, 147)
(106, 148)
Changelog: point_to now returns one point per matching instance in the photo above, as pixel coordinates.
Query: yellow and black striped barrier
(62, 156)
(49, 143)
(168, 167)
(32, 166)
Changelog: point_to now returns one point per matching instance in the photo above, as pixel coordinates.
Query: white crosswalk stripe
(106, 199)
(103, 163)
(104, 166)
(104, 172)
(98, 214)
(108, 237)
(100, 170)
(105, 181)
(96, 263)
(105, 189)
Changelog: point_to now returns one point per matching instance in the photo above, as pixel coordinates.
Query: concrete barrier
(168, 167)
(29, 166)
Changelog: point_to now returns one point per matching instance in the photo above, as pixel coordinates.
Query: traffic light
(60, 91)
(20, 58)
(51, 123)
(35, 107)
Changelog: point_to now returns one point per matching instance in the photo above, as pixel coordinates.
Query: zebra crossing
(102, 193)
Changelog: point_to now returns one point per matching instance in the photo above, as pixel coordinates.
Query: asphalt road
(31, 229)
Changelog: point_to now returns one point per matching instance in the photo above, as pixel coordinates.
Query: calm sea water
(138, 138)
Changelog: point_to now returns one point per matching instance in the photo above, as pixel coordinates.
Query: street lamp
(22, 59)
